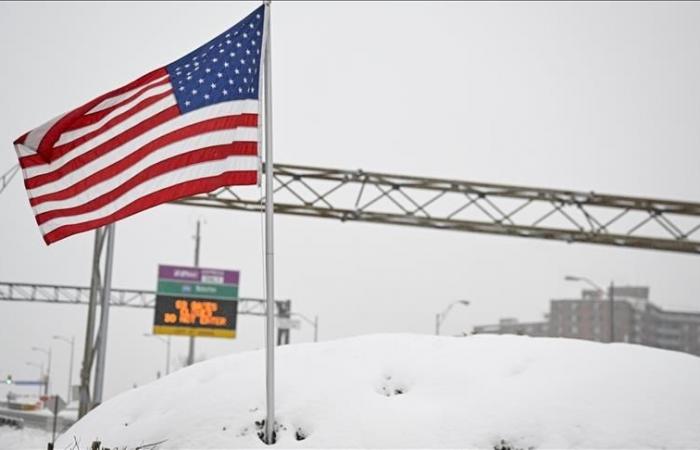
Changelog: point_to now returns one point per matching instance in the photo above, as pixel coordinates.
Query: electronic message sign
(192, 301)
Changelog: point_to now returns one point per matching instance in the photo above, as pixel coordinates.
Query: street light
(313, 323)
(70, 341)
(167, 354)
(601, 293)
(47, 352)
(40, 366)
(598, 289)
(440, 318)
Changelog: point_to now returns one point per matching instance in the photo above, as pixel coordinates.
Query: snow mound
(389, 391)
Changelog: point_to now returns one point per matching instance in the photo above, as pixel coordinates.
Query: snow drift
(418, 391)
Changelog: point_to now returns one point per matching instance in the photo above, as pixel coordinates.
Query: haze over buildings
(636, 320)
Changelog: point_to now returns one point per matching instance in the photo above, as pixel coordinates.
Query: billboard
(192, 301)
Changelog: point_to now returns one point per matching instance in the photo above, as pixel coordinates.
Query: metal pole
(316, 329)
(55, 416)
(611, 295)
(42, 377)
(197, 238)
(104, 318)
(69, 397)
(48, 375)
(167, 363)
(86, 368)
(269, 249)
(437, 324)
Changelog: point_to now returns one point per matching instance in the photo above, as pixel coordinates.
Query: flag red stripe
(58, 151)
(63, 149)
(216, 124)
(20, 140)
(164, 195)
(211, 153)
(91, 118)
(105, 147)
(45, 148)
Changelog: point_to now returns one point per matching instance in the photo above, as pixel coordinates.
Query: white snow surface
(24, 439)
(417, 391)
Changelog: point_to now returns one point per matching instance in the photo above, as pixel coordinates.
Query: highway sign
(193, 301)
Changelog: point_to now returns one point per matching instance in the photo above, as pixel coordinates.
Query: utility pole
(167, 355)
(166, 341)
(316, 329)
(42, 378)
(47, 379)
(70, 341)
(313, 323)
(440, 317)
(48, 375)
(611, 296)
(601, 293)
(197, 239)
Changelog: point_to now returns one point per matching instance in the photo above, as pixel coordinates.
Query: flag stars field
(174, 132)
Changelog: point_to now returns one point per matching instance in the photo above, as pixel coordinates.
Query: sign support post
(197, 237)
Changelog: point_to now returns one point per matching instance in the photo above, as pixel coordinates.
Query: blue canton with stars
(224, 69)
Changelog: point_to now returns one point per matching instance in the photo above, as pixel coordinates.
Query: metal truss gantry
(94, 344)
(80, 295)
(445, 204)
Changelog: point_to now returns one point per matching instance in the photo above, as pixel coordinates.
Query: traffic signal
(8, 380)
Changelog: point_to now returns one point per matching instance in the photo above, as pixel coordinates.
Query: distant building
(637, 320)
(512, 326)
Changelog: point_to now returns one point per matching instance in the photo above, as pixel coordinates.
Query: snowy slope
(419, 391)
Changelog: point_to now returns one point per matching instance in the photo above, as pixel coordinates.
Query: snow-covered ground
(406, 391)
(25, 439)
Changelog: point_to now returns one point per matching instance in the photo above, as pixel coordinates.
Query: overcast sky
(583, 96)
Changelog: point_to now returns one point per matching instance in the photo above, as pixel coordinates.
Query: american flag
(187, 128)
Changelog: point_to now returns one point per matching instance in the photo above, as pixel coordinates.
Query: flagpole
(269, 249)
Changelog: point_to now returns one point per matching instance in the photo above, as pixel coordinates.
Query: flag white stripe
(23, 150)
(106, 103)
(182, 175)
(101, 138)
(219, 137)
(35, 136)
(217, 110)
(72, 135)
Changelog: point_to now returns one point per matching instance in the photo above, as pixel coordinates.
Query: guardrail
(14, 422)
(36, 420)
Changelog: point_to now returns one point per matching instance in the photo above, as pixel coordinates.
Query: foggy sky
(582, 96)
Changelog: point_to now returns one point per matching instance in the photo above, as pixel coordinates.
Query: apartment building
(635, 320)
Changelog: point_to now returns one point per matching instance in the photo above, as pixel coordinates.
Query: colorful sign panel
(192, 301)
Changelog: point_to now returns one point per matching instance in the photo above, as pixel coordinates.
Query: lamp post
(313, 323)
(40, 366)
(47, 352)
(440, 318)
(167, 352)
(601, 291)
(70, 341)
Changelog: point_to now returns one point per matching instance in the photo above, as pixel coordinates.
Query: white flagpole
(269, 249)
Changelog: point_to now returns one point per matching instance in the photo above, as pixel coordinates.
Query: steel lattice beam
(563, 215)
(80, 295)
(8, 176)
